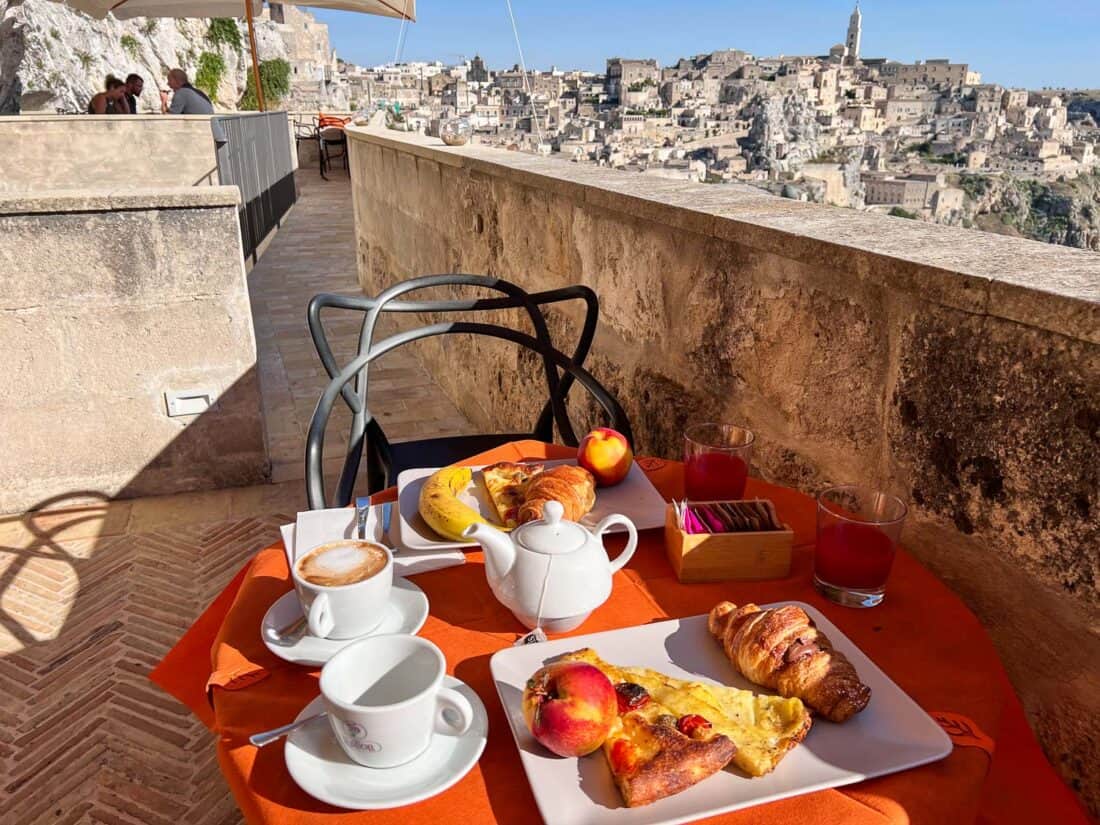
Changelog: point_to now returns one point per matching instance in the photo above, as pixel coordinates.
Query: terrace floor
(92, 597)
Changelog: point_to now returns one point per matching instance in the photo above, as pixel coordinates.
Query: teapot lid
(552, 534)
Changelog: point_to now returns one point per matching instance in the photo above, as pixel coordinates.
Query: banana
(440, 506)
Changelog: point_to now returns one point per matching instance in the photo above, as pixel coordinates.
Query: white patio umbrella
(125, 9)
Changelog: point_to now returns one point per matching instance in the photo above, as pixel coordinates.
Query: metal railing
(254, 155)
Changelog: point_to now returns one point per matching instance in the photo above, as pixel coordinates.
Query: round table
(922, 636)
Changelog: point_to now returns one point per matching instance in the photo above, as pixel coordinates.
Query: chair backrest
(324, 121)
(351, 382)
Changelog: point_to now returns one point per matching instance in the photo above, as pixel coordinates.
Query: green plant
(898, 212)
(85, 60)
(975, 186)
(224, 31)
(149, 26)
(275, 78)
(130, 44)
(209, 74)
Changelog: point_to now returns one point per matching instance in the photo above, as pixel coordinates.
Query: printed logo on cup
(357, 738)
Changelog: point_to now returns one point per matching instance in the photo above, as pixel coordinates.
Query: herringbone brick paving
(85, 736)
(92, 598)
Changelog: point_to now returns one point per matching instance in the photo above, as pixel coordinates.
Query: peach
(606, 454)
(569, 707)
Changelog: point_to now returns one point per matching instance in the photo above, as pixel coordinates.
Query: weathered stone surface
(52, 56)
(997, 428)
(957, 368)
(59, 152)
(46, 200)
(132, 304)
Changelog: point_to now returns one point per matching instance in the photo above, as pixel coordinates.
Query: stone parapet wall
(108, 301)
(106, 151)
(958, 368)
(110, 152)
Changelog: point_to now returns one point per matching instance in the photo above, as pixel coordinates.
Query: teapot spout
(500, 553)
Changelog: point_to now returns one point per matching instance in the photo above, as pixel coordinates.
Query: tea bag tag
(535, 636)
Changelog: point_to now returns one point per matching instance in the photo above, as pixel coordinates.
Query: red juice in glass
(715, 477)
(857, 535)
(716, 461)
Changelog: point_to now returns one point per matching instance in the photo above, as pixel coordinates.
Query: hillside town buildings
(839, 127)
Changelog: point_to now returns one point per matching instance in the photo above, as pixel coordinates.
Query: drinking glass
(716, 461)
(858, 529)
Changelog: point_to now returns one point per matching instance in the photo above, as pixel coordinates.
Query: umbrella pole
(255, 59)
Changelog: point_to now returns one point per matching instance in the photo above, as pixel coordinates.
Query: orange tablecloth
(922, 636)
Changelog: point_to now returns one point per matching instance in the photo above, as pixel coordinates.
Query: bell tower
(855, 31)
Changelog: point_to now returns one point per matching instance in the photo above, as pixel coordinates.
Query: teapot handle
(631, 542)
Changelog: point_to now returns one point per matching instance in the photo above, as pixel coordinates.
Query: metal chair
(310, 133)
(385, 460)
(330, 135)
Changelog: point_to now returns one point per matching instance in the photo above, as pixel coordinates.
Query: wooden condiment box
(712, 557)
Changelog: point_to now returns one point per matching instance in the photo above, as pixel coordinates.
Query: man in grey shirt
(186, 99)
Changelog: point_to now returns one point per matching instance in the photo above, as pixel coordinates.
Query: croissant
(573, 486)
(781, 649)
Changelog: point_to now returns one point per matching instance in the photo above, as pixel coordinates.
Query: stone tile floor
(315, 252)
(91, 597)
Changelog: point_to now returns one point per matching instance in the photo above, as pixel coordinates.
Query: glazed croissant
(573, 486)
(780, 648)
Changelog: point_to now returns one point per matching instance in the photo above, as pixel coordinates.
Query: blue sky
(1052, 43)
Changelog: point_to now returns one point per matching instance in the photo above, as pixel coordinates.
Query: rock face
(1062, 212)
(54, 58)
(784, 133)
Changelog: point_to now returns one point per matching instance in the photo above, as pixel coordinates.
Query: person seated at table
(112, 101)
(134, 84)
(186, 99)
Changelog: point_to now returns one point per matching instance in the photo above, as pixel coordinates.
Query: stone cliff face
(54, 58)
(784, 133)
(1061, 212)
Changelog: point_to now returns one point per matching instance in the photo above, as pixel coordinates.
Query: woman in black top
(112, 101)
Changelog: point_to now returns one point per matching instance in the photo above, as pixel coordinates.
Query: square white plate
(893, 733)
(634, 497)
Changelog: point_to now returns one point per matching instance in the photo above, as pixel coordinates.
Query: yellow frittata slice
(764, 728)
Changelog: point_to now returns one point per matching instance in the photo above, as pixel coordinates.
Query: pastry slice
(505, 482)
(762, 728)
(652, 754)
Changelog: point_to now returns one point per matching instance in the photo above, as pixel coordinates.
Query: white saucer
(406, 613)
(321, 768)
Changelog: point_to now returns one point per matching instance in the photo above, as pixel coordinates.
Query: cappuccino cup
(344, 587)
(385, 699)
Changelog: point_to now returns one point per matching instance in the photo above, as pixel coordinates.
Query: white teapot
(551, 573)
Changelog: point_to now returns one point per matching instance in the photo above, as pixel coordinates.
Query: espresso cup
(385, 699)
(338, 610)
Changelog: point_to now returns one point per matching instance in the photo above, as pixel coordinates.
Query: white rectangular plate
(893, 733)
(634, 497)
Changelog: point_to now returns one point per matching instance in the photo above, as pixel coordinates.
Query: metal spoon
(268, 736)
(289, 635)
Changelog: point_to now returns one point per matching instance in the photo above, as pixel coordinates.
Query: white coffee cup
(385, 699)
(348, 610)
